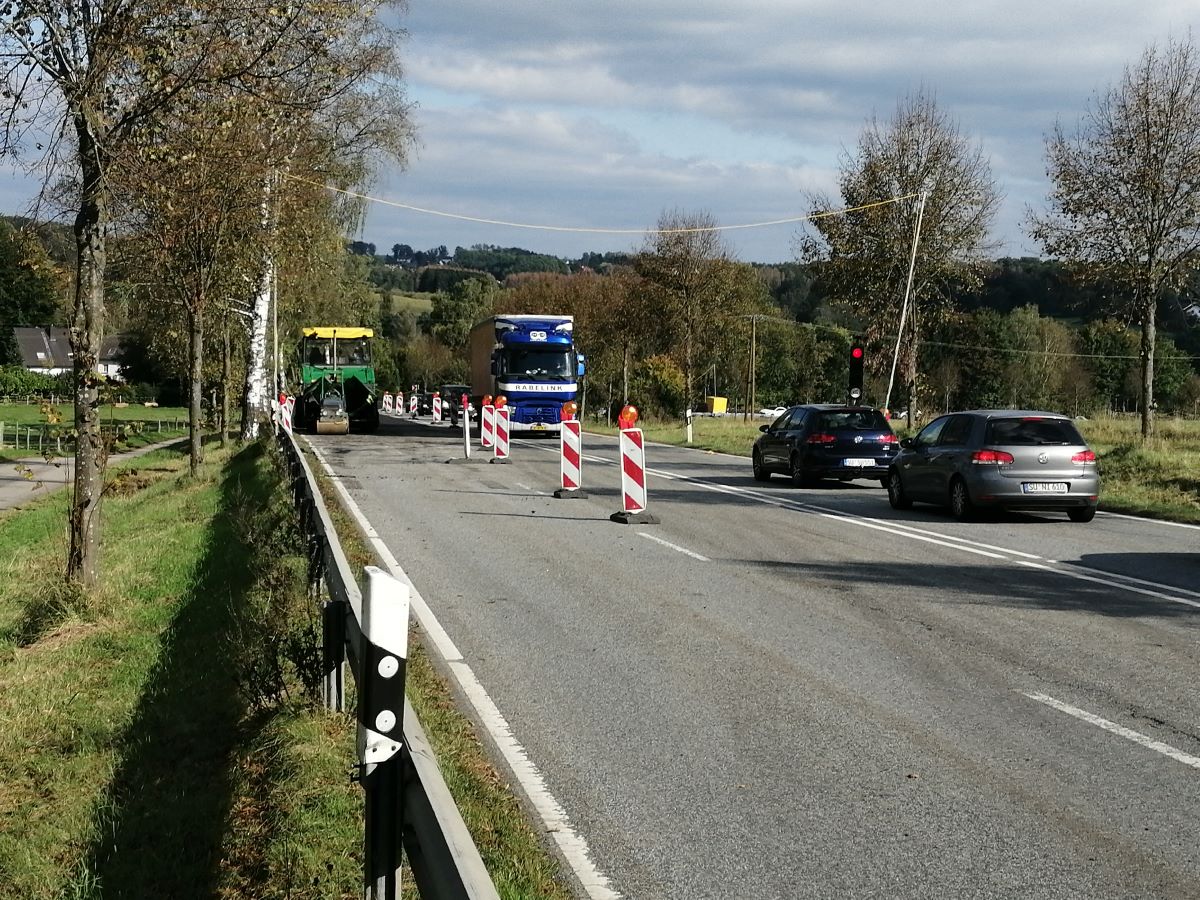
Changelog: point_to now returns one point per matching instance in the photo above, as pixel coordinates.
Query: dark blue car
(826, 441)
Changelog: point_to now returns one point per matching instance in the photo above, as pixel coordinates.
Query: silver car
(1013, 459)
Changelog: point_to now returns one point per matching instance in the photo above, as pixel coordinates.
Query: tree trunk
(256, 406)
(226, 382)
(1148, 335)
(87, 333)
(195, 384)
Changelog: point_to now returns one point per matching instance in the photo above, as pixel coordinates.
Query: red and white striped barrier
(285, 413)
(501, 447)
(633, 480)
(487, 426)
(387, 402)
(437, 407)
(571, 456)
(398, 405)
(412, 405)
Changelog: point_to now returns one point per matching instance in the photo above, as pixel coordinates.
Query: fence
(407, 803)
(42, 436)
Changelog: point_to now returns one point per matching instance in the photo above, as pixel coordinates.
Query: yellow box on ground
(715, 404)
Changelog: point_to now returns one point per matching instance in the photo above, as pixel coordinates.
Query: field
(1160, 479)
(25, 433)
(161, 737)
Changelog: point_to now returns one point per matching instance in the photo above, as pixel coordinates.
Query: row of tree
(911, 227)
(192, 141)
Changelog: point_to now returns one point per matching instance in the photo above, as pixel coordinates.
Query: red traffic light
(856, 352)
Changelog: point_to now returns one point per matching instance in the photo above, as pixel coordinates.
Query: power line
(588, 230)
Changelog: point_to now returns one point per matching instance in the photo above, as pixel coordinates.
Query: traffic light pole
(912, 265)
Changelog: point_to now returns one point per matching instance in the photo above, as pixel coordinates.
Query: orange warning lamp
(569, 409)
(500, 401)
(487, 399)
(628, 417)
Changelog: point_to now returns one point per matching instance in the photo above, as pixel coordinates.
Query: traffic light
(856, 370)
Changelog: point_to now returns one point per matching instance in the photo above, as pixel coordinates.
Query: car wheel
(960, 501)
(799, 477)
(895, 489)
(760, 471)
(1082, 514)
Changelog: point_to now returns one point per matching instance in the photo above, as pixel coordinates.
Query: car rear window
(857, 419)
(1032, 430)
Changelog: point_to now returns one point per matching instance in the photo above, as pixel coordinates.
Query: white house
(48, 350)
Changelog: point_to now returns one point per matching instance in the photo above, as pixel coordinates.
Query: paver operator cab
(337, 381)
(532, 362)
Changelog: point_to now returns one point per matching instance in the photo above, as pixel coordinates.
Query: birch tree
(78, 77)
(1125, 201)
(865, 253)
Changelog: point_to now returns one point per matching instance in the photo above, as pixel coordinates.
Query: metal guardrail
(407, 801)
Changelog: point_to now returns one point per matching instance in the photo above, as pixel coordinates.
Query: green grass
(1158, 479)
(148, 749)
(31, 413)
(413, 302)
(521, 866)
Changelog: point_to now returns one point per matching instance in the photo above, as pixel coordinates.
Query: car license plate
(858, 463)
(1044, 487)
(538, 426)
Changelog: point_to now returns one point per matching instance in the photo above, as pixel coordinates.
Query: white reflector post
(384, 655)
(382, 661)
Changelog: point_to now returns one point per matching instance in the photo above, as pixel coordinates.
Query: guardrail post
(380, 727)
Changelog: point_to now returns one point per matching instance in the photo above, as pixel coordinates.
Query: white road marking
(555, 819)
(1148, 520)
(1128, 733)
(1110, 582)
(532, 490)
(684, 550)
(952, 542)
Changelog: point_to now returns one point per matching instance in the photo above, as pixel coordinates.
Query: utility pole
(912, 265)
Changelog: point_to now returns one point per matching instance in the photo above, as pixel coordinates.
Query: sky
(605, 115)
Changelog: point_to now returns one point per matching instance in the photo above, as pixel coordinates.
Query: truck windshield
(539, 362)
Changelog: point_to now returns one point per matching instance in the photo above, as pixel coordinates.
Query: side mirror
(906, 443)
(580, 365)
(764, 428)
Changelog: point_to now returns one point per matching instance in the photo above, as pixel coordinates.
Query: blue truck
(532, 361)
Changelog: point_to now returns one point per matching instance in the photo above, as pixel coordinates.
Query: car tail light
(889, 439)
(992, 458)
(821, 438)
(1084, 457)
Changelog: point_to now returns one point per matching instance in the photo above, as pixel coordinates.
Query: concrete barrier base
(570, 493)
(637, 518)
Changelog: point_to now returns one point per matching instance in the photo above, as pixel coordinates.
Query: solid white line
(421, 610)
(1110, 582)
(555, 819)
(1148, 520)
(1128, 733)
(684, 550)
(952, 542)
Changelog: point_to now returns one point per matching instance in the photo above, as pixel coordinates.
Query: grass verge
(159, 739)
(520, 863)
(1156, 479)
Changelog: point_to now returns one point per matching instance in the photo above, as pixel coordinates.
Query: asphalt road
(782, 692)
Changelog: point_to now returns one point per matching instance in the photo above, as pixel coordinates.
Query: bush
(16, 381)
(656, 387)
